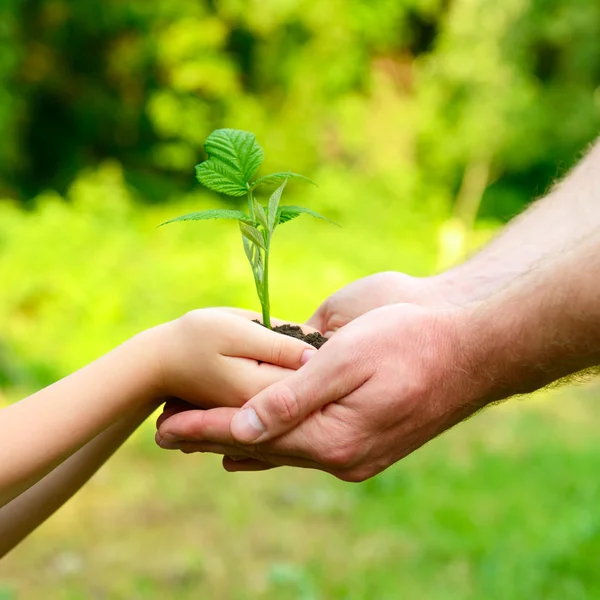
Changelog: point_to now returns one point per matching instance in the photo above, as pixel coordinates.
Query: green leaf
(256, 262)
(287, 213)
(259, 269)
(249, 249)
(252, 234)
(285, 217)
(260, 214)
(219, 177)
(216, 213)
(233, 158)
(272, 210)
(279, 177)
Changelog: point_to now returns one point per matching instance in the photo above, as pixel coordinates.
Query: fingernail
(307, 355)
(246, 426)
(237, 458)
(169, 437)
(169, 446)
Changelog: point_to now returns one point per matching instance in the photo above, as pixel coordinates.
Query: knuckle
(284, 405)
(278, 350)
(327, 313)
(201, 317)
(192, 317)
(190, 322)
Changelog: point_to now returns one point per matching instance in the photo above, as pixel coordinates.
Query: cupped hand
(219, 357)
(383, 386)
(375, 291)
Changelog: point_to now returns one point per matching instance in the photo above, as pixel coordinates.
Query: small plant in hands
(234, 156)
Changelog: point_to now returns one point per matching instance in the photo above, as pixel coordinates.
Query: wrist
(476, 348)
(510, 353)
(467, 356)
(447, 357)
(470, 283)
(147, 367)
(454, 288)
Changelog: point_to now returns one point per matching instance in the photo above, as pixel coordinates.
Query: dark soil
(314, 339)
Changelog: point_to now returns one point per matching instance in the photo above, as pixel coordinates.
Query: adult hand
(375, 291)
(350, 302)
(380, 388)
(338, 310)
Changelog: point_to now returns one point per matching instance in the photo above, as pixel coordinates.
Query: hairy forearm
(29, 510)
(541, 328)
(43, 430)
(570, 212)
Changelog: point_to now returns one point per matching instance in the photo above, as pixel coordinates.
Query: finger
(319, 318)
(162, 417)
(199, 426)
(209, 431)
(205, 448)
(332, 374)
(235, 453)
(259, 343)
(234, 466)
(158, 440)
(171, 407)
(253, 376)
(235, 460)
(309, 440)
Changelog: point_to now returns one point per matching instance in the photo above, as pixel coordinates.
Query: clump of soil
(314, 339)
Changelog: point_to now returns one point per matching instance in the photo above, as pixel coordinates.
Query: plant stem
(264, 296)
(250, 205)
(266, 302)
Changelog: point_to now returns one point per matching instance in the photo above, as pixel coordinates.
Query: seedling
(234, 156)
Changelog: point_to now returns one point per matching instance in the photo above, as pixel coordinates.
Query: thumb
(329, 376)
(320, 318)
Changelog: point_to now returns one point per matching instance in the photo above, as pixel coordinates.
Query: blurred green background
(427, 124)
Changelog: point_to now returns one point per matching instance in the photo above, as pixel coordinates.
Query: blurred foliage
(427, 88)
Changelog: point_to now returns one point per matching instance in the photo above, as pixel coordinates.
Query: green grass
(505, 506)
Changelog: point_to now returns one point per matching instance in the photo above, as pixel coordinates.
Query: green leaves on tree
(234, 156)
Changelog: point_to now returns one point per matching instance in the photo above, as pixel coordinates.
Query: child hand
(219, 357)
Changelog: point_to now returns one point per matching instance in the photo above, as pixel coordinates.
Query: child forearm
(53, 441)
(29, 510)
(43, 430)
